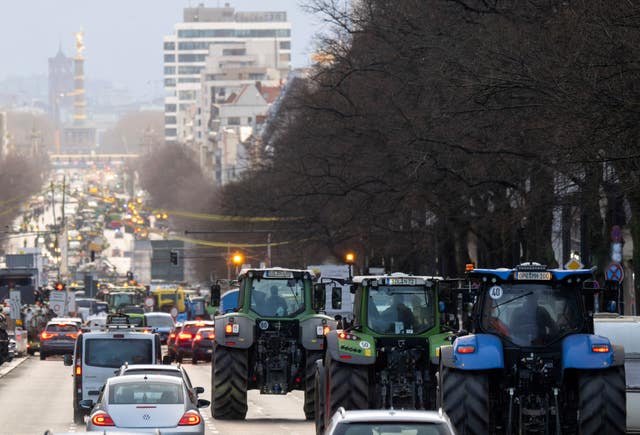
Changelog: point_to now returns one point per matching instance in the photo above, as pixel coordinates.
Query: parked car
(139, 402)
(58, 338)
(202, 345)
(157, 369)
(389, 421)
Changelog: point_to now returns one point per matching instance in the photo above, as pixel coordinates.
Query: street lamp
(350, 258)
(237, 259)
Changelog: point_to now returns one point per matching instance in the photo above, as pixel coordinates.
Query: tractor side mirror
(319, 296)
(215, 295)
(353, 288)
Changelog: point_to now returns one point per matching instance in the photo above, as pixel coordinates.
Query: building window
(285, 45)
(257, 76)
(285, 57)
(170, 120)
(234, 33)
(169, 70)
(170, 132)
(169, 82)
(233, 120)
(234, 52)
(191, 57)
(169, 46)
(189, 80)
(170, 108)
(169, 57)
(186, 69)
(184, 107)
(193, 45)
(187, 95)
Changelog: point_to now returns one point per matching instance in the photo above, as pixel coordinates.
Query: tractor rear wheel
(602, 402)
(348, 386)
(229, 383)
(309, 382)
(465, 398)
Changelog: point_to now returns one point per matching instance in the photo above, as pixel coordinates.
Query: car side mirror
(68, 360)
(86, 404)
(203, 403)
(198, 390)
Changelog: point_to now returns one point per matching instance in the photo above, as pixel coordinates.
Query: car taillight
(47, 335)
(197, 337)
(184, 336)
(78, 370)
(189, 418)
(172, 335)
(74, 336)
(212, 336)
(102, 419)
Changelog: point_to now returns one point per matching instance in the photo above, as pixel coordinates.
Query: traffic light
(174, 258)
(59, 286)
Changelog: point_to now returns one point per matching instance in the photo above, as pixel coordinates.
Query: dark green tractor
(270, 342)
(388, 358)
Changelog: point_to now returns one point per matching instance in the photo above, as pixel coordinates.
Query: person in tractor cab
(532, 323)
(397, 313)
(275, 303)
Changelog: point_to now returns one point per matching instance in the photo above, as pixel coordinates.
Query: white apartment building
(187, 49)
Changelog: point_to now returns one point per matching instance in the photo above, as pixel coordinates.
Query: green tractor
(270, 342)
(388, 358)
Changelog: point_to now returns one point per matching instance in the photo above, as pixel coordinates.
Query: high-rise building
(187, 49)
(60, 84)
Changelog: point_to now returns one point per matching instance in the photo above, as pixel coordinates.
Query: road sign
(573, 264)
(616, 234)
(58, 302)
(14, 304)
(148, 302)
(614, 272)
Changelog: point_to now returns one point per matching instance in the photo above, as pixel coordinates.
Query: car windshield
(277, 297)
(106, 352)
(159, 321)
(389, 428)
(401, 309)
(530, 314)
(146, 393)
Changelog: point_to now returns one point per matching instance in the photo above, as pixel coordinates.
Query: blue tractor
(532, 364)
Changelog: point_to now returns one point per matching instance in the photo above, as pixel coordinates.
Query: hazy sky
(123, 38)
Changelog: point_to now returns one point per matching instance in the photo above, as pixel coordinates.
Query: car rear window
(62, 328)
(159, 321)
(146, 393)
(175, 373)
(108, 352)
(388, 428)
(193, 328)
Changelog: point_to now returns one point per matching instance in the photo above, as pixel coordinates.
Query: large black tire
(348, 386)
(43, 356)
(229, 371)
(319, 397)
(602, 402)
(465, 398)
(78, 416)
(310, 382)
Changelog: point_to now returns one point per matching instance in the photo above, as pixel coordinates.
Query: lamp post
(350, 258)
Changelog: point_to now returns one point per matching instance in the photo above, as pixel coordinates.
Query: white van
(625, 331)
(99, 354)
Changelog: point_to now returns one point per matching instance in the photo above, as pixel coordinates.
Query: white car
(389, 421)
(146, 403)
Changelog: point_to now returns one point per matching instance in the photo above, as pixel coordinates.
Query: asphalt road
(36, 395)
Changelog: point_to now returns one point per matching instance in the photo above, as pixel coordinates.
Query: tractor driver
(532, 323)
(398, 314)
(275, 304)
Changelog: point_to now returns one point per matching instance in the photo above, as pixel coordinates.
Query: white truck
(625, 331)
(339, 299)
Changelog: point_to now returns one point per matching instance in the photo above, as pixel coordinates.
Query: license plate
(533, 276)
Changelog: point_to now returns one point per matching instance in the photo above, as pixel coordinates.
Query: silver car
(389, 421)
(145, 403)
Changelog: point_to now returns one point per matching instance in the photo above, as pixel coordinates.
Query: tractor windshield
(530, 314)
(277, 297)
(401, 309)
